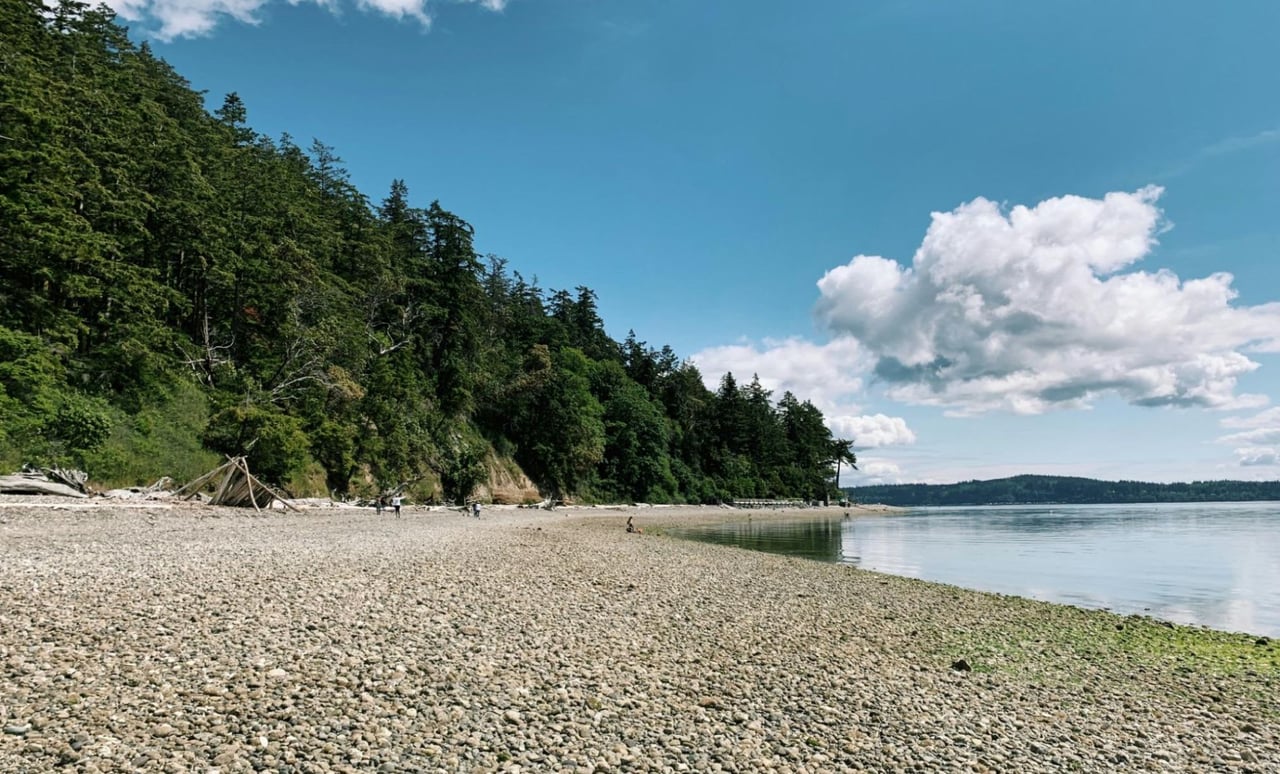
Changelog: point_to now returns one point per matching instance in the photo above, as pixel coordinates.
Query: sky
(985, 238)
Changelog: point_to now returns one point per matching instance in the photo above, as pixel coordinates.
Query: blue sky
(754, 183)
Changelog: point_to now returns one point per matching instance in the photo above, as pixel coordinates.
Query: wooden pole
(249, 482)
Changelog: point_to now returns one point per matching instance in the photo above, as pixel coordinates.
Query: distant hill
(1063, 489)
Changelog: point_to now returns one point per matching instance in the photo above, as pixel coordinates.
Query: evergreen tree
(170, 277)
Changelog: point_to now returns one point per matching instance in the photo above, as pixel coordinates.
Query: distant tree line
(175, 286)
(1063, 489)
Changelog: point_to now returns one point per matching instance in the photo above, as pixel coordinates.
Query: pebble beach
(179, 638)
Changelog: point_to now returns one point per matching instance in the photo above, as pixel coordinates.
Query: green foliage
(636, 465)
(43, 419)
(334, 446)
(81, 424)
(556, 422)
(273, 443)
(162, 437)
(462, 466)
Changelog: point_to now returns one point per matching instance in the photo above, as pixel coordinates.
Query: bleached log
(76, 479)
(35, 486)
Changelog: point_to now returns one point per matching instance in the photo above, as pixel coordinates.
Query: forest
(175, 287)
(1063, 490)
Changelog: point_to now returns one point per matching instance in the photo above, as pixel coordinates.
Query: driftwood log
(233, 485)
(27, 484)
(76, 479)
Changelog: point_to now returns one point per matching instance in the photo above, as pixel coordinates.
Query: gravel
(207, 639)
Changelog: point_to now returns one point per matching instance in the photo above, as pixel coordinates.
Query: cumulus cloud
(1257, 437)
(1263, 419)
(877, 471)
(1032, 308)
(872, 431)
(825, 374)
(1254, 456)
(170, 19)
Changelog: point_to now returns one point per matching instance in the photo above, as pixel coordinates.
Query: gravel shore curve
(199, 639)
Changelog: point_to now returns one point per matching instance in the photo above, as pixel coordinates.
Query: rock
(1262, 642)
(580, 651)
(17, 729)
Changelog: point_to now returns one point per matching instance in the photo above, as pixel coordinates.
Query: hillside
(175, 286)
(1062, 489)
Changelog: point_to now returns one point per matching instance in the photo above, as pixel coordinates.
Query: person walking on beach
(379, 503)
(475, 509)
(395, 503)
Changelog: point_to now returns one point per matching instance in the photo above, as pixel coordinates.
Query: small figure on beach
(379, 503)
(475, 509)
(632, 527)
(395, 504)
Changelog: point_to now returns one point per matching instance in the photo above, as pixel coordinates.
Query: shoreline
(554, 640)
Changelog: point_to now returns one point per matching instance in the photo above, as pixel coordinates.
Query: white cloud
(1256, 438)
(872, 431)
(1257, 455)
(1259, 436)
(170, 19)
(876, 471)
(1264, 419)
(825, 374)
(1030, 309)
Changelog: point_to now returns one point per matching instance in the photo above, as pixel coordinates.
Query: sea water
(1213, 564)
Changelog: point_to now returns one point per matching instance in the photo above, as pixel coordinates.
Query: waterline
(1216, 565)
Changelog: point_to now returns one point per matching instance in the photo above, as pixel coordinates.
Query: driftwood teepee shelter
(233, 485)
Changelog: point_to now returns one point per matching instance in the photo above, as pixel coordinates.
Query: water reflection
(819, 539)
(1214, 564)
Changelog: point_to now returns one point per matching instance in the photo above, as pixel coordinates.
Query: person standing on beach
(475, 509)
(395, 503)
(379, 503)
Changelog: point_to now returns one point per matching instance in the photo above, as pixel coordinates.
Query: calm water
(1214, 564)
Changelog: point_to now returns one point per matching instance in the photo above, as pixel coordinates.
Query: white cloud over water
(876, 471)
(1257, 456)
(1257, 438)
(170, 19)
(1031, 308)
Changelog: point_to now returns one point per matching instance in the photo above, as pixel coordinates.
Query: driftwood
(76, 479)
(233, 485)
(157, 491)
(28, 484)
